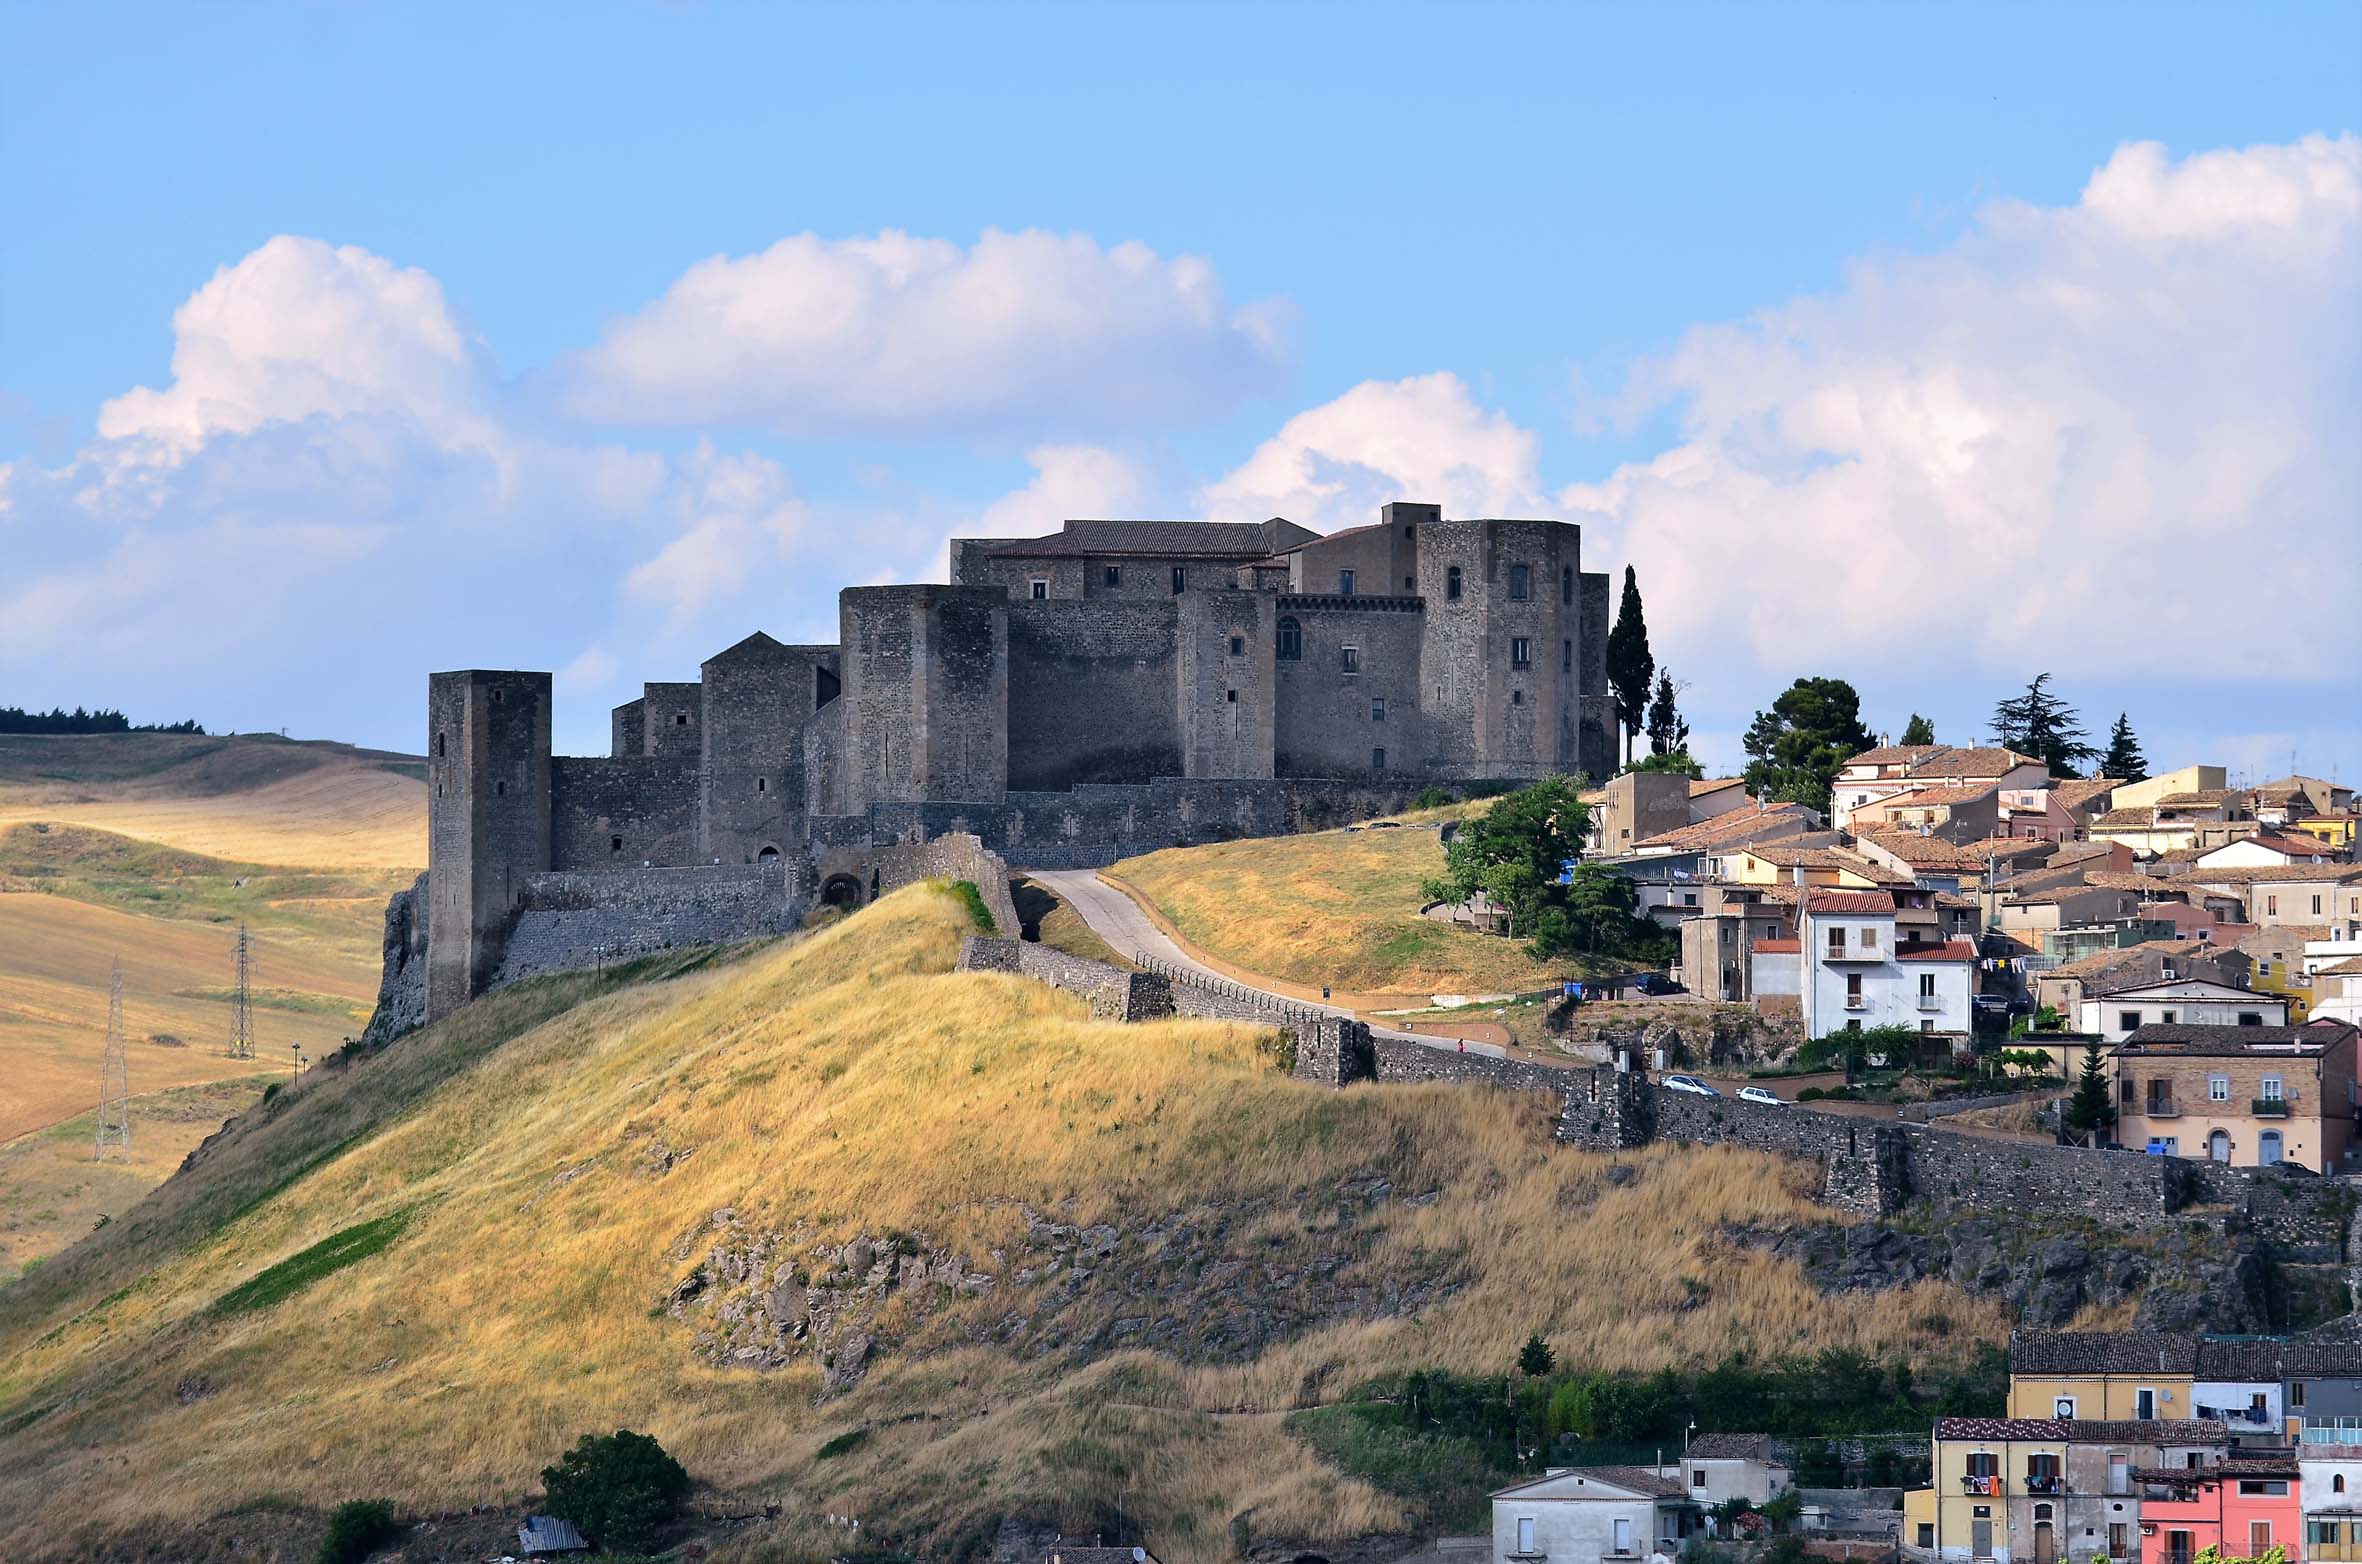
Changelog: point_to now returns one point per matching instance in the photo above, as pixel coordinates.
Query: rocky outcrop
(2048, 1272)
(401, 982)
(1206, 1285)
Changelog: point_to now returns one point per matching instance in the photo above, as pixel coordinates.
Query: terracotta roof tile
(2101, 1352)
(1950, 950)
(1848, 903)
(1973, 763)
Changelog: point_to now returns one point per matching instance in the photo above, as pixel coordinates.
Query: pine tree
(1535, 1358)
(1630, 665)
(1919, 730)
(2089, 1109)
(2038, 723)
(1668, 730)
(2124, 760)
(1798, 747)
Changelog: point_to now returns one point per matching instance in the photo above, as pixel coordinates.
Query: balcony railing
(1990, 1487)
(2162, 1108)
(2269, 1107)
(1856, 1002)
(2037, 1483)
(1931, 1001)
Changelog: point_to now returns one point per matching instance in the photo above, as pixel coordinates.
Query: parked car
(1690, 1084)
(1762, 1094)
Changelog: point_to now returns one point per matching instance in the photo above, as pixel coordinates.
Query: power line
(242, 1001)
(114, 1079)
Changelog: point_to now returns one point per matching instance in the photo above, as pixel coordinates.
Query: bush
(1431, 798)
(618, 1489)
(358, 1528)
(845, 1443)
(967, 892)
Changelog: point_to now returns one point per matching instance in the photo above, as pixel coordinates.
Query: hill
(253, 798)
(855, 1233)
(1337, 907)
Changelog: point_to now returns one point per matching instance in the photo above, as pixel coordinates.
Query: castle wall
(1595, 747)
(627, 730)
(672, 719)
(575, 922)
(1092, 691)
(1224, 685)
(608, 815)
(926, 687)
(1327, 723)
(1491, 714)
(758, 695)
(488, 819)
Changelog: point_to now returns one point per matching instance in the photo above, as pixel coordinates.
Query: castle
(1068, 700)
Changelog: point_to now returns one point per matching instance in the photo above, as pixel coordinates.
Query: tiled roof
(2346, 968)
(1346, 532)
(1896, 754)
(2075, 793)
(1738, 826)
(2101, 1352)
(1924, 852)
(2212, 795)
(1929, 797)
(2154, 1431)
(1732, 1447)
(2294, 846)
(2001, 1428)
(1779, 947)
(1218, 539)
(1950, 950)
(1973, 763)
(2282, 873)
(1703, 785)
(1845, 903)
(1636, 1479)
(2125, 819)
(2309, 1041)
(2011, 847)
(2125, 955)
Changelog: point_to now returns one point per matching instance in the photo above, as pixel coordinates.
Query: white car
(1763, 1095)
(1690, 1084)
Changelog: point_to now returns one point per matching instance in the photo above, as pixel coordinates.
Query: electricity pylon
(241, 1001)
(114, 1079)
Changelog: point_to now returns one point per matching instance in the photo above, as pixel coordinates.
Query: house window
(1180, 579)
(2271, 906)
(1697, 1477)
(2063, 1407)
(1377, 760)
(1345, 583)
(1853, 991)
(1927, 985)
(2251, 1018)
(1291, 641)
(1113, 576)
(1238, 646)
(1927, 1534)
(1451, 584)
(1869, 939)
(2296, 1398)
(2144, 1405)
(1521, 651)
(1927, 1024)
(1837, 941)
(1041, 589)
(1525, 1534)
(2128, 1020)
(615, 844)
(1352, 658)
(2316, 906)
(2270, 1090)
(1231, 696)
(1378, 708)
(2218, 1088)
(1521, 583)
(1566, 585)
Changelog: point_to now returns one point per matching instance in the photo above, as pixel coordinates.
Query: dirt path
(1118, 920)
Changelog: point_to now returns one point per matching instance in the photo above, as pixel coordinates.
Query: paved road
(1117, 919)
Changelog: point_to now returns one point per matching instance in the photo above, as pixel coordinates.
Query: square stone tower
(488, 820)
(925, 673)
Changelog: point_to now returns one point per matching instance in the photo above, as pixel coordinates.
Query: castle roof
(1238, 540)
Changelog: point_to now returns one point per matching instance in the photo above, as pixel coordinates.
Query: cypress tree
(1630, 664)
(2124, 760)
(1919, 730)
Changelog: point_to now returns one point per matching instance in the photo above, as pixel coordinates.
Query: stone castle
(1067, 700)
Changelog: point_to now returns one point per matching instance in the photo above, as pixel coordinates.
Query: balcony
(1871, 954)
(1931, 1001)
(2161, 1108)
(2269, 1107)
(1988, 1487)
(1856, 1002)
(2037, 1483)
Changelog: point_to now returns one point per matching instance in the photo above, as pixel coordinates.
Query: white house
(2265, 852)
(2332, 1486)
(1592, 1515)
(2181, 1002)
(1718, 1467)
(1853, 974)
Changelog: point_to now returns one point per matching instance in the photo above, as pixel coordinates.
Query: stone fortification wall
(1092, 692)
(401, 983)
(622, 813)
(1410, 1063)
(570, 922)
(1114, 994)
(672, 718)
(1349, 705)
(953, 856)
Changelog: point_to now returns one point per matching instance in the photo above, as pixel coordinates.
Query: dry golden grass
(251, 799)
(1336, 907)
(852, 1081)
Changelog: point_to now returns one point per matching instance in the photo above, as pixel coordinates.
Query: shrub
(1431, 798)
(619, 1489)
(845, 1443)
(358, 1528)
(966, 891)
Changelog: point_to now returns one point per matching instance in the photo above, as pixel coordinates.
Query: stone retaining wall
(958, 855)
(567, 922)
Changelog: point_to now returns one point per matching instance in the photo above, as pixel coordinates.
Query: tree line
(16, 719)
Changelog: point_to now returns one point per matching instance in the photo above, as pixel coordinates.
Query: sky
(1928, 347)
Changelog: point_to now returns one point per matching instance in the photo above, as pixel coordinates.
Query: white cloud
(1418, 439)
(894, 334)
(1068, 481)
(2060, 444)
(734, 521)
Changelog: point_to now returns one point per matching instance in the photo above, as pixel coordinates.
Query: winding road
(1118, 920)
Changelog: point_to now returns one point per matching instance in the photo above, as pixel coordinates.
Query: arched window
(2337, 1483)
(1291, 640)
(1451, 584)
(1566, 585)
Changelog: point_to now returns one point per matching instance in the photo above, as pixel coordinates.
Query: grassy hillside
(248, 798)
(1336, 907)
(588, 1203)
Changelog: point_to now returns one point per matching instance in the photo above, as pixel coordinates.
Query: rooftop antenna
(114, 1083)
(242, 1001)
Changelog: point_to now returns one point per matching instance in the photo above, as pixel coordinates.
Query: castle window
(496, 695)
(1521, 652)
(1352, 659)
(1521, 583)
(615, 844)
(500, 789)
(1180, 579)
(1345, 583)
(762, 784)
(1566, 657)
(1378, 709)
(1451, 584)
(1517, 697)
(1291, 640)
(1410, 583)
(1566, 584)
(1041, 589)
(439, 751)
(1238, 646)
(1231, 696)
(1377, 760)
(1114, 576)
(680, 719)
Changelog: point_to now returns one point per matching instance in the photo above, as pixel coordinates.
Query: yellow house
(1823, 868)
(1997, 1493)
(2336, 830)
(2278, 951)
(2120, 1375)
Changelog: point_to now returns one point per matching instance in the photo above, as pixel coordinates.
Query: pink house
(2243, 1507)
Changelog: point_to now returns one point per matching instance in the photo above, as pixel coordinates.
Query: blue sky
(1887, 342)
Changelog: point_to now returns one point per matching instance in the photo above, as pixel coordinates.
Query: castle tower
(488, 820)
(1510, 650)
(925, 673)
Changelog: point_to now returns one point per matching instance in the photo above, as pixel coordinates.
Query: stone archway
(768, 855)
(840, 890)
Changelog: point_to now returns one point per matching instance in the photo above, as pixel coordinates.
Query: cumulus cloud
(735, 520)
(895, 334)
(2052, 445)
(1421, 439)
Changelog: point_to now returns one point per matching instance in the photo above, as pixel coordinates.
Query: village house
(1593, 1515)
(2065, 988)
(1854, 973)
(1720, 1467)
(2337, 991)
(2325, 894)
(2269, 851)
(2244, 1507)
(2330, 1485)
(1639, 805)
(2040, 1490)
(2278, 953)
(2252, 1096)
(2104, 1376)
(2187, 779)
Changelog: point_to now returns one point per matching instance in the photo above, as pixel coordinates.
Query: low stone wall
(958, 855)
(1114, 994)
(1399, 1061)
(568, 922)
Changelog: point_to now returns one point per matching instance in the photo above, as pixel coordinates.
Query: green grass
(973, 899)
(845, 1443)
(325, 1258)
(297, 1000)
(1450, 1474)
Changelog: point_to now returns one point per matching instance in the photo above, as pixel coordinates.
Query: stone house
(2246, 1095)
(1639, 805)
(1717, 1468)
(1593, 1515)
